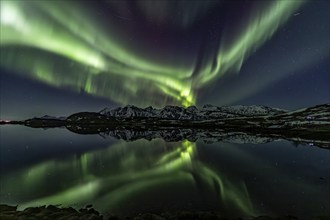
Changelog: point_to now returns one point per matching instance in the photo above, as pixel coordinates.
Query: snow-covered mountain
(319, 113)
(252, 110)
(313, 116)
(191, 113)
(130, 111)
(48, 117)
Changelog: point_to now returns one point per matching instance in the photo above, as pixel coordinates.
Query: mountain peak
(208, 111)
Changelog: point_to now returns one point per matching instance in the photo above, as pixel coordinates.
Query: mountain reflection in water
(130, 177)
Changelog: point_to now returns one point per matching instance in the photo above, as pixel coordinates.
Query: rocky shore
(52, 212)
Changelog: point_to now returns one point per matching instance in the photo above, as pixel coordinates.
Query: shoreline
(51, 212)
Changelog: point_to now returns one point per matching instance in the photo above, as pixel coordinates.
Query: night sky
(61, 57)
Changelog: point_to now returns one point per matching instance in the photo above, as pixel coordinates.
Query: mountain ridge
(191, 113)
(210, 123)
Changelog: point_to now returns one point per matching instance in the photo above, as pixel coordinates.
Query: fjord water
(55, 166)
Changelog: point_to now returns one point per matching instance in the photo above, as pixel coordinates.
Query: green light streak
(78, 194)
(261, 27)
(12, 20)
(71, 43)
(129, 172)
(76, 35)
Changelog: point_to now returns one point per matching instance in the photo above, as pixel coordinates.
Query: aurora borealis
(68, 56)
(144, 54)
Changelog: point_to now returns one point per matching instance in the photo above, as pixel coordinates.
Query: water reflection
(131, 177)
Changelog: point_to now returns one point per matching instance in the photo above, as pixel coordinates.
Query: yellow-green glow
(84, 163)
(129, 172)
(80, 193)
(101, 64)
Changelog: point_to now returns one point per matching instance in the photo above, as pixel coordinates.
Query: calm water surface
(55, 166)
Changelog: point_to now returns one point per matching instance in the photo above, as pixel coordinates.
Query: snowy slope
(192, 112)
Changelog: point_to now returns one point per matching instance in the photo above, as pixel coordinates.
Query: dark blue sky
(22, 98)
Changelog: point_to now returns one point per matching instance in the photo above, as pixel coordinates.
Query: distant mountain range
(209, 116)
(210, 123)
(191, 113)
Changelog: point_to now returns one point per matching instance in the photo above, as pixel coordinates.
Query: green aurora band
(48, 41)
(127, 173)
(144, 167)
